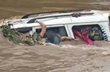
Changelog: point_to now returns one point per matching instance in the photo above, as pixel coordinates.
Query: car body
(64, 23)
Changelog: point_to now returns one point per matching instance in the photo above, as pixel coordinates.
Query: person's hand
(65, 38)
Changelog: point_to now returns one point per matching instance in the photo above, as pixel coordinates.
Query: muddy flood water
(74, 56)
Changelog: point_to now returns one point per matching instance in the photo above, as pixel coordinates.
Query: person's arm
(43, 30)
(65, 38)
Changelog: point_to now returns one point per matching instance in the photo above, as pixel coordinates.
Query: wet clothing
(84, 37)
(95, 34)
(53, 37)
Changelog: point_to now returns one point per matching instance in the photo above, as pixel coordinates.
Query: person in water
(50, 35)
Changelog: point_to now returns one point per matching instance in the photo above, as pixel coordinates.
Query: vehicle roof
(65, 18)
(50, 12)
(75, 17)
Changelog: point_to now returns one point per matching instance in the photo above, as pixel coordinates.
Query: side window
(24, 30)
(109, 20)
(60, 30)
(32, 20)
(93, 32)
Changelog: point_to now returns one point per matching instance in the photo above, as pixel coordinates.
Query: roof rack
(73, 15)
(64, 11)
(81, 14)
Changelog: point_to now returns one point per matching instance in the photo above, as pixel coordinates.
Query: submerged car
(89, 25)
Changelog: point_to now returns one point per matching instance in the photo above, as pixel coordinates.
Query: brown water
(10, 8)
(74, 56)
